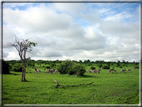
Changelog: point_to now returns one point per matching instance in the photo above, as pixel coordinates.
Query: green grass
(108, 88)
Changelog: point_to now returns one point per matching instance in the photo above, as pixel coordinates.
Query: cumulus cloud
(75, 31)
(8, 36)
(37, 19)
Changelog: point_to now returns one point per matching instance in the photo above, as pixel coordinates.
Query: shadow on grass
(89, 76)
(12, 74)
(26, 81)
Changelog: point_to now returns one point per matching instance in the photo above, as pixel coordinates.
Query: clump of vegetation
(48, 67)
(52, 65)
(69, 67)
(78, 69)
(65, 66)
(136, 67)
(17, 67)
(106, 67)
(5, 67)
(92, 68)
(99, 65)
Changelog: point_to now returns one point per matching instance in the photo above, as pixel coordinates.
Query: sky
(74, 31)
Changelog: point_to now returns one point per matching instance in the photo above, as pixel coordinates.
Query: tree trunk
(23, 71)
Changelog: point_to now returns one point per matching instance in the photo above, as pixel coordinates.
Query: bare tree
(22, 47)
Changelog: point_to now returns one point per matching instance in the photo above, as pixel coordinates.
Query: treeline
(39, 62)
(16, 65)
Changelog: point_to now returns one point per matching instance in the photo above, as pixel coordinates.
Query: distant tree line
(16, 65)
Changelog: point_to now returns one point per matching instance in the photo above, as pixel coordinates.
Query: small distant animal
(98, 71)
(114, 70)
(88, 71)
(128, 70)
(94, 71)
(109, 71)
(37, 70)
(123, 70)
(51, 70)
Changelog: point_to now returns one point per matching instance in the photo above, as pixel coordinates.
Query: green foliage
(89, 64)
(69, 67)
(92, 68)
(99, 65)
(52, 65)
(118, 64)
(17, 67)
(5, 67)
(106, 67)
(65, 67)
(136, 67)
(48, 67)
(77, 69)
(80, 69)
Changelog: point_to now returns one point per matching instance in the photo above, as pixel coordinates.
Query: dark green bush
(89, 64)
(17, 67)
(69, 67)
(5, 67)
(106, 67)
(52, 65)
(99, 65)
(92, 68)
(48, 67)
(65, 67)
(136, 67)
(77, 69)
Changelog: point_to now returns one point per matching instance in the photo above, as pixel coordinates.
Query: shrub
(89, 64)
(105, 67)
(77, 69)
(136, 67)
(65, 67)
(52, 65)
(69, 67)
(92, 68)
(5, 67)
(17, 67)
(48, 67)
(99, 65)
(120, 67)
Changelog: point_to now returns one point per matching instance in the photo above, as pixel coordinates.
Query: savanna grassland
(108, 88)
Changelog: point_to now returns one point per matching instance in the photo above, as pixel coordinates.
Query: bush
(69, 67)
(136, 67)
(77, 69)
(105, 67)
(48, 67)
(5, 67)
(52, 65)
(17, 67)
(99, 65)
(65, 67)
(92, 68)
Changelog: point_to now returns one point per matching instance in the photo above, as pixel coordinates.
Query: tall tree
(23, 46)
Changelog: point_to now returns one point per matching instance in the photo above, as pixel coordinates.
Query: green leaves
(32, 43)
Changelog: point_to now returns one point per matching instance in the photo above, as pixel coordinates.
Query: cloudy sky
(75, 31)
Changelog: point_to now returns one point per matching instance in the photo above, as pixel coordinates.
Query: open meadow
(108, 88)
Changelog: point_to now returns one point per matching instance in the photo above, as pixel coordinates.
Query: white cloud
(61, 32)
(37, 19)
(8, 36)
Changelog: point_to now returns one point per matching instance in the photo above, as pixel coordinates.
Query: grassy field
(108, 88)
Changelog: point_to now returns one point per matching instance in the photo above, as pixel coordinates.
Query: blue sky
(76, 31)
